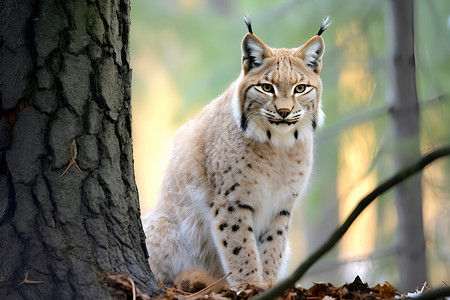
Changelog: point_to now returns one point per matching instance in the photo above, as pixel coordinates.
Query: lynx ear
(312, 53)
(254, 51)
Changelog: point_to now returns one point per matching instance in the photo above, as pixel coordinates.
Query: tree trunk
(405, 119)
(65, 97)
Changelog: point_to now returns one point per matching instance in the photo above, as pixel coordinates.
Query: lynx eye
(267, 88)
(300, 88)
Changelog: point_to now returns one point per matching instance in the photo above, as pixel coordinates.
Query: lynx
(237, 169)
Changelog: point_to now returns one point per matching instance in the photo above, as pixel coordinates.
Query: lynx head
(277, 98)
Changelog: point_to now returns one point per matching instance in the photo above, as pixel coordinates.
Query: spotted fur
(237, 169)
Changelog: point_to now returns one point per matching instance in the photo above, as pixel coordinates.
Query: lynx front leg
(235, 240)
(272, 246)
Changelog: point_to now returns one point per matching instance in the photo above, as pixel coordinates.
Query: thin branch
(28, 281)
(369, 115)
(433, 294)
(208, 287)
(353, 120)
(133, 287)
(403, 174)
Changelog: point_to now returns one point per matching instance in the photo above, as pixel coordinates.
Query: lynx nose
(284, 112)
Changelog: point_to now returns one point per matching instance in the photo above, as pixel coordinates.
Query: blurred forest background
(186, 52)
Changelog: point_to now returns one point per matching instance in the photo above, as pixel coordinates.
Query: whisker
(254, 116)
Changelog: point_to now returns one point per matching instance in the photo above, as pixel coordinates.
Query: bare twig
(283, 285)
(424, 286)
(27, 281)
(133, 287)
(73, 160)
(208, 287)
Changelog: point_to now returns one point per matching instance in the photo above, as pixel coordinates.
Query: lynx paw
(259, 286)
(192, 281)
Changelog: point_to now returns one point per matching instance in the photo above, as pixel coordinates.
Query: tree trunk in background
(65, 93)
(405, 119)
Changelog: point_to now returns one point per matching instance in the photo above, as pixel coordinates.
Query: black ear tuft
(249, 23)
(326, 22)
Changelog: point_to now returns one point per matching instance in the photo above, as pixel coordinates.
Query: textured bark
(405, 119)
(65, 86)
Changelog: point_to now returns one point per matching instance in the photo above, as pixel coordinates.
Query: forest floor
(355, 290)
